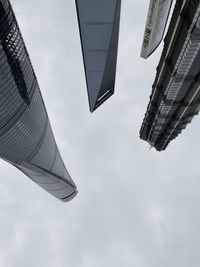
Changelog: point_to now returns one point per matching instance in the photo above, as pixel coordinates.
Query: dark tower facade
(26, 138)
(175, 97)
(99, 31)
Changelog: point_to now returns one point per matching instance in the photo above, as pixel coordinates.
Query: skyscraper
(99, 30)
(175, 97)
(155, 25)
(26, 138)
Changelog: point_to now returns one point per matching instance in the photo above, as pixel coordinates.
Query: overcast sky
(136, 207)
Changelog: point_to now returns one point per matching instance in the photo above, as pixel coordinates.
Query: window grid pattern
(178, 81)
(26, 138)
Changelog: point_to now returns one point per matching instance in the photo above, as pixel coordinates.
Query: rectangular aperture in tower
(155, 25)
(175, 97)
(26, 138)
(99, 31)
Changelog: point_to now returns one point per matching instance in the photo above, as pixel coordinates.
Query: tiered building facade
(175, 97)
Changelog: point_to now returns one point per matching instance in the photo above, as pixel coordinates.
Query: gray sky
(135, 207)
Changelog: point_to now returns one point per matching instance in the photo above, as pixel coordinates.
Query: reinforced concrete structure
(99, 30)
(175, 97)
(26, 138)
(155, 25)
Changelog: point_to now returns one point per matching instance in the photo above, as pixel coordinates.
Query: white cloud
(135, 207)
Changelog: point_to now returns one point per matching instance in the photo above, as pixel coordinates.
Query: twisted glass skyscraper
(26, 138)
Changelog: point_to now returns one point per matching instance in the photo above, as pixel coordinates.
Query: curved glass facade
(155, 26)
(26, 138)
